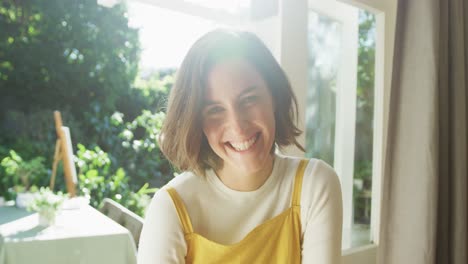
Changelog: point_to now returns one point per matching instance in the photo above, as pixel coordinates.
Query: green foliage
(133, 146)
(21, 174)
(34, 134)
(82, 59)
(62, 55)
(59, 54)
(139, 152)
(139, 200)
(97, 181)
(365, 87)
(150, 91)
(95, 178)
(133, 151)
(364, 115)
(361, 194)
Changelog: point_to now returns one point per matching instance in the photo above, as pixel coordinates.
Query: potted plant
(47, 204)
(22, 175)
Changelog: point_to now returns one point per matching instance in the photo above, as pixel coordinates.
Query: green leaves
(11, 164)
(65, 53)
(88, 160)
(97, 181)
(23, 173)
(82, 59)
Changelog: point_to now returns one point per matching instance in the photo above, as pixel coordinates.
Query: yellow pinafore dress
(277, 240)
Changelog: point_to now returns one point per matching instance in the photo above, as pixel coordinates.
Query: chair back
(124, 217)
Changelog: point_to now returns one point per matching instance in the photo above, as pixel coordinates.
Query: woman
(238, 201)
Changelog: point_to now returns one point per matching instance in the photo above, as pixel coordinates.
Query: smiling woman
(239, 124)
(238, 201)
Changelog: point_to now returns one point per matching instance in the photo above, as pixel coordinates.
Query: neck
(239, 180)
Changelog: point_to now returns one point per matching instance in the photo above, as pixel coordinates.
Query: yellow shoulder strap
(296, 199)
(181, 211)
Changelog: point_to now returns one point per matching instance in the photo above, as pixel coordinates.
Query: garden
(81, 59)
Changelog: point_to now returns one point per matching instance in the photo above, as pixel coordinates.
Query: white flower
(46, 200)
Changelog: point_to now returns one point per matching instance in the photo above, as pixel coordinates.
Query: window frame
(345, 118)
(291, 42)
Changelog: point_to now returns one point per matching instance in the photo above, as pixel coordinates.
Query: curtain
(452, 246)
(424, 209)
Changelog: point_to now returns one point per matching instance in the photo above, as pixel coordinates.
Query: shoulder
(183, 179)
(321, 213)
(320, 184)
(321, 189)
(316, 174)
(319, 174)
(162, 237)
(182, 183)
(188, 185)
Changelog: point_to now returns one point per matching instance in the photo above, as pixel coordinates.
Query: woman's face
(238, 117)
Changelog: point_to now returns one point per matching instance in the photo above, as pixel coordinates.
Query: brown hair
(182, 140)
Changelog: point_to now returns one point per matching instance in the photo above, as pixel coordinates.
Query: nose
(238, 121)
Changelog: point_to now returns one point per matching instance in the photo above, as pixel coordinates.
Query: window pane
(326, 52)
(324, 41)
(364, 127)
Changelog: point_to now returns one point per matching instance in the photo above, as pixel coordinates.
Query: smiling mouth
(245, 145)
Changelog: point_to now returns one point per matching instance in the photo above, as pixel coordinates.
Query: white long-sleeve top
(226, 216)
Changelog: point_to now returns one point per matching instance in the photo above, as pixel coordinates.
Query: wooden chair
(124, 217)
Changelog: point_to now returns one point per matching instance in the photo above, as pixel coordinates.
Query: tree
(63, 54)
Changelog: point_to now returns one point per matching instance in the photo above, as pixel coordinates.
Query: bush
(97, 181)
(62, 55)
(139, 152)
(59, 54)
(81, 59)
(21, 175)
(133, 146)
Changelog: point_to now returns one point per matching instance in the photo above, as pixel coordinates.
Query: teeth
(241, 146)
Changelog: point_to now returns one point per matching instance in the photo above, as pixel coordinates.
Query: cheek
(267, 117)
(211, 131)
(271, 124)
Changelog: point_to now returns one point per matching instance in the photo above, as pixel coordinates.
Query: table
(79, 236)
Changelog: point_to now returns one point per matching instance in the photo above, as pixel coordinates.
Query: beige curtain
(424, 210)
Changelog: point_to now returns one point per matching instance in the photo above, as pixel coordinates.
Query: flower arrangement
(47, 204)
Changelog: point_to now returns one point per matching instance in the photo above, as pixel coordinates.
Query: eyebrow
(245, 91)
(248, 90)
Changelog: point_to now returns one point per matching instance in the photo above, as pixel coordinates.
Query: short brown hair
(182, 140)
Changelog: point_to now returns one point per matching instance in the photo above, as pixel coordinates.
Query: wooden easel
(64, 152)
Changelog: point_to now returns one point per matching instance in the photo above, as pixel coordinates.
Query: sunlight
(226, 5)
(165, 35)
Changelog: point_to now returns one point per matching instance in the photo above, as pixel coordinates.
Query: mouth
(244, 145)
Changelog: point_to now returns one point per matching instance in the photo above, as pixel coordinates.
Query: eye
(213, 110)
(249, 100)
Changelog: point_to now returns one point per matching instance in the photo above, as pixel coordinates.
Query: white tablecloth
(79, 236)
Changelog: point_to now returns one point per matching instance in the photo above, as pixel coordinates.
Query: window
(339, 108)
(342, 21)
